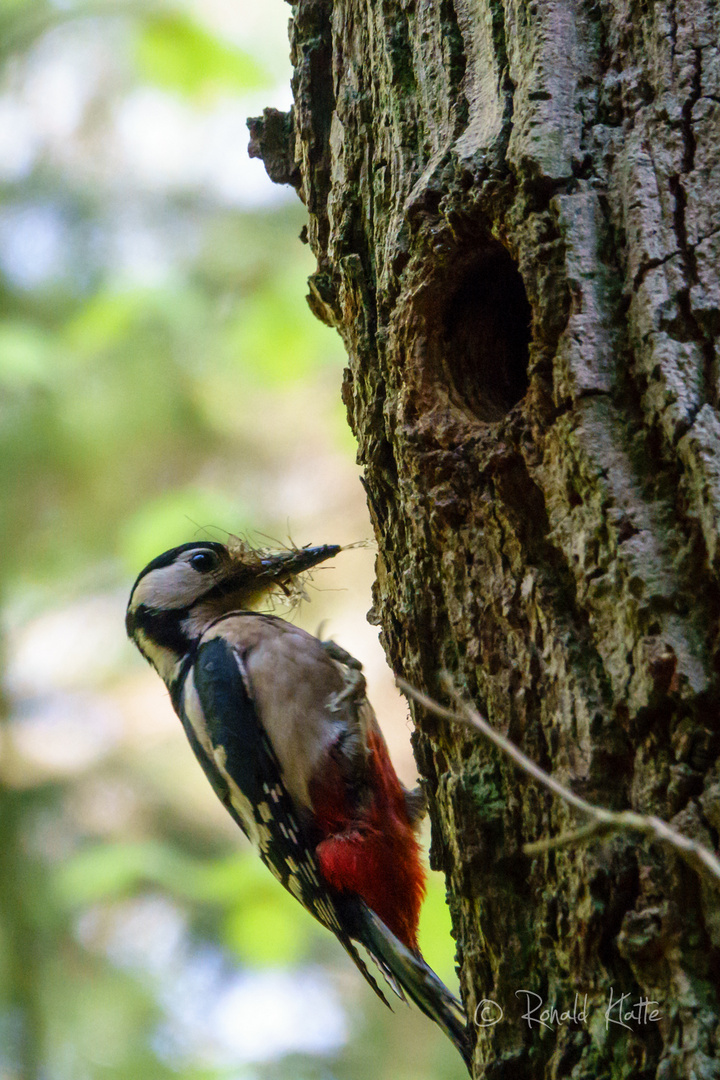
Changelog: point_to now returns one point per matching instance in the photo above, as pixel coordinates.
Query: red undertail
(371, 849)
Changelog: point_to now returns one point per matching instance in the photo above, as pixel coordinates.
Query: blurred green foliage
(178, 54)
(113, 400)
(152, 341)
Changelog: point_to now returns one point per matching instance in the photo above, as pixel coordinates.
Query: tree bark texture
(515, 208)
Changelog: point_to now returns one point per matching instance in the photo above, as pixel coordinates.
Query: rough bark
(515, 208)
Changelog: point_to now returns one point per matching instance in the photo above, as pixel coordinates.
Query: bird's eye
(204, 562)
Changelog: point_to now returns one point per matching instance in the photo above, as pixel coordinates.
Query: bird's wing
(222, 724)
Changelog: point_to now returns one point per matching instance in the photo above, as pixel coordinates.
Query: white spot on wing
(295, 887)
(274, 871)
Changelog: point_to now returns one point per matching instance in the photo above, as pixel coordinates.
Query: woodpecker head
(183, 590)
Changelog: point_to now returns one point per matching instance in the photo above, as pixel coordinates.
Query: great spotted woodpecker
(280, 724)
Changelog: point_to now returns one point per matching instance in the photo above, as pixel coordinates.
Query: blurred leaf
(263, 923)
(176, 517)
(27, 354)
(267, 931)
(101, 1021)
(266, 925)
(177, 54)
(22, 22)
(103, 319)
(436, 940)
(276, 338)
(110, 871)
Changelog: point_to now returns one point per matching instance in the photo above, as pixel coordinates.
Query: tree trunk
(515, 208)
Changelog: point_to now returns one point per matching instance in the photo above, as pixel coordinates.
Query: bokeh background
(161, 379)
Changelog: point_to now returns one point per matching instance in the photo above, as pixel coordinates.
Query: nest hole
(487, 335)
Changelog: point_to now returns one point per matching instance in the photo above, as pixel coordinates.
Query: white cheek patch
(174, 586)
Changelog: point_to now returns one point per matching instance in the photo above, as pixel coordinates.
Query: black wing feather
(249, 761)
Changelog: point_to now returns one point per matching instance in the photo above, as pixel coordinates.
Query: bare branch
(602, 822)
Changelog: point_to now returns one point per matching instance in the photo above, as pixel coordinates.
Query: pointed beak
(286, 564)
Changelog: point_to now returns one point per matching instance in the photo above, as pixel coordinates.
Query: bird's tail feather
(409, 975)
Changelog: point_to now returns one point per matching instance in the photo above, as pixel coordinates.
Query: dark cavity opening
(487, 332)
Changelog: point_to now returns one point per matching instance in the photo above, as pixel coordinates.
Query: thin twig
(602, 822)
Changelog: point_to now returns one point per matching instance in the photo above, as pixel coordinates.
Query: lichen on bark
(515, 209)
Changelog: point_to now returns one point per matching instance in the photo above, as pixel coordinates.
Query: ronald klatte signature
(619, 1011)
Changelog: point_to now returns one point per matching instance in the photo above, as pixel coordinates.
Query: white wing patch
(258, 834)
